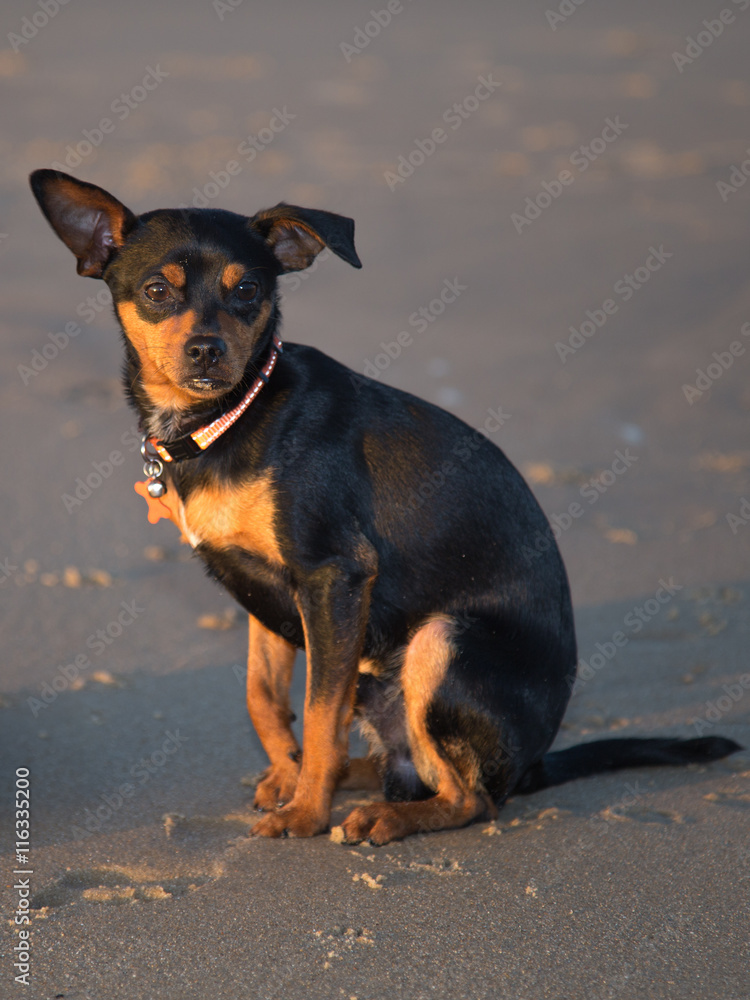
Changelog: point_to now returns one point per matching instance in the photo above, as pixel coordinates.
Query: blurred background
(576, 171)
(321, 105)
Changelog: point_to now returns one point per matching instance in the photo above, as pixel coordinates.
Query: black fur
(613, 755)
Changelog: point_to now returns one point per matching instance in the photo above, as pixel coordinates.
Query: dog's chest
(230, 516)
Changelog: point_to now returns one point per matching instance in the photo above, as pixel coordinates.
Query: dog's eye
(246, 291)
(157, 291)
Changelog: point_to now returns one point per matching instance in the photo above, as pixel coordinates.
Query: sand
(143, 883)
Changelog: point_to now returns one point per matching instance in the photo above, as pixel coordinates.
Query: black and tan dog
(376, 531)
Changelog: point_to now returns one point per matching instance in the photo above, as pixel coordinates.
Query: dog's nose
(205, 350)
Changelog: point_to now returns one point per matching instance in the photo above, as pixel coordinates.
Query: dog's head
(194, 289)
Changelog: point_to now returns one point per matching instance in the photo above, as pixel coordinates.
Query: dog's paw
(291, 821)
(276, 787)
(378, 823)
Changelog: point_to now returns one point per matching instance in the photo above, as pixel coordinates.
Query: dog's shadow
(110, 753)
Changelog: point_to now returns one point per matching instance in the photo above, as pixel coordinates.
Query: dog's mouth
(208, 385)
(210, 375)
(211, 364)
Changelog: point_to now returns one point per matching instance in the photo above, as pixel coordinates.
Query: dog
(372, 529)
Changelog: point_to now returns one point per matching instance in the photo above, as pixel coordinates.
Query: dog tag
(157, 509)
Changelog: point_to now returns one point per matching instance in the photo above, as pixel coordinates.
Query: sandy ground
(626, 886)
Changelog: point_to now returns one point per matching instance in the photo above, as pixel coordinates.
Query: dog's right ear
(89, 221)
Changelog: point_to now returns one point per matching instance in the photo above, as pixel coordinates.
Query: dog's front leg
(334, 604)
(270, 661)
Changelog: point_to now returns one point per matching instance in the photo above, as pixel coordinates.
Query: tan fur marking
(325, 740)
(427, 659)
(174, 274)
(324, 750)
(325, 743)
(457, 800)
(428, 656)
(323, 757)
(382, 822)
(160, 347)
(231, 275)
(157, 345)
(243, 515)
(270, 663)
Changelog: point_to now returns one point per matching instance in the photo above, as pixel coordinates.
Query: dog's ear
(297, 235)
(89, 221)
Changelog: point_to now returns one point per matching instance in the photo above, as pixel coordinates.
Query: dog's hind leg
(448, 765)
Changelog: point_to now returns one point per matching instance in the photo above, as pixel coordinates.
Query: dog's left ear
(89, 220)
(297, 235)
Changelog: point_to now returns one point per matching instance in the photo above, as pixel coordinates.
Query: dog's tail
(611, 755)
